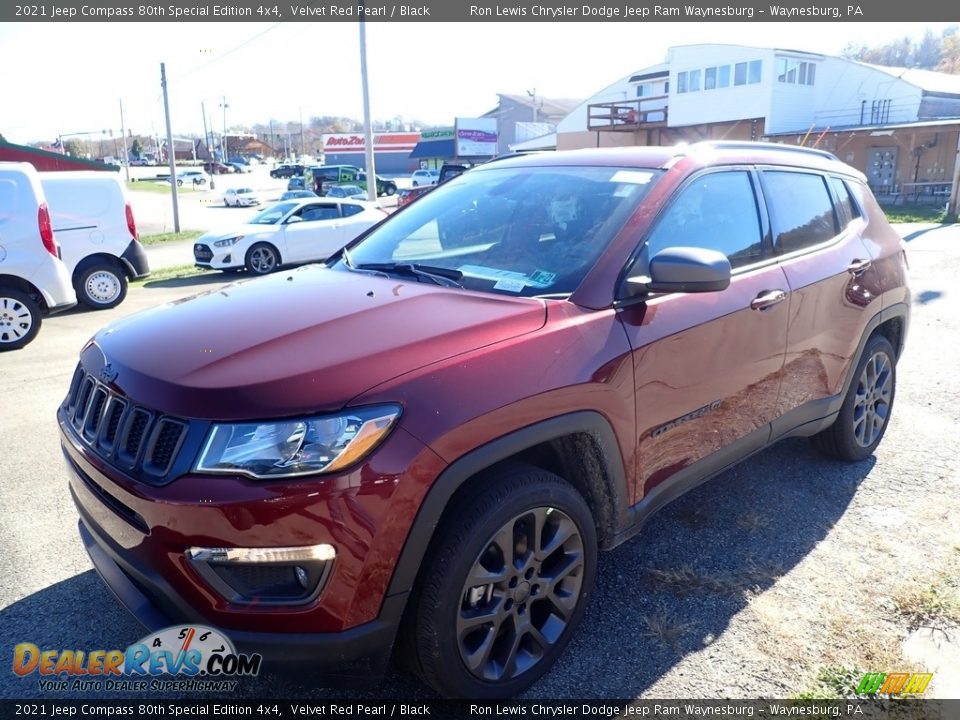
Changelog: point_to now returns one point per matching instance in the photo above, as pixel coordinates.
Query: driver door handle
(858, 266)
(767, 299)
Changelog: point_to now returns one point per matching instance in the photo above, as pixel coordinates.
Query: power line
(222, 55)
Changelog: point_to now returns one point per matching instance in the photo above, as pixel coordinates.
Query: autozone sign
(382, 142)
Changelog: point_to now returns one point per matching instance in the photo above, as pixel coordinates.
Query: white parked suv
(33, 280)
(425, 177)
(93, 222)
(192, 177)
(290, 232)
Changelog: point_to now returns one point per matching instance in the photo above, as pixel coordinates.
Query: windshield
(515, 231)
(273, 214)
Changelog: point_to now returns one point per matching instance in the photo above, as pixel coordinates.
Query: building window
(681, 82)
(755, 71)
(740, 74)
(795, 72)
(710, 78)
(723, 76)
(694, 80)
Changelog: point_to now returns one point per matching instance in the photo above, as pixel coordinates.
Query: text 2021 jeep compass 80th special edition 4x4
(418, 449)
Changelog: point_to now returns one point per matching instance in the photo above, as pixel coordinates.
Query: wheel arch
(97, 259)
(18, 283)
(580, 447)
(269, 244)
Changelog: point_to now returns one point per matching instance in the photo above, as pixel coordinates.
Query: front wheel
(100, 287)
(504, 586)
(391, 189)
(262, 259)
(865, 412)
(20, 318)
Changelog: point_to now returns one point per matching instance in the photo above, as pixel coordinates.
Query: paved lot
(790, 542)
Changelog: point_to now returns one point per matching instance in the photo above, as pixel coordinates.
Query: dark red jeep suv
(418, 448)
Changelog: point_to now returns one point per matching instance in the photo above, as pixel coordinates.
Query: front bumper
(362, 651)
(211, 258)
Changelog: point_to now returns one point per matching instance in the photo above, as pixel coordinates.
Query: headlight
(289, 448)
(228, 241)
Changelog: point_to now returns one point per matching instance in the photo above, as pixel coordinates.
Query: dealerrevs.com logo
(198, 658)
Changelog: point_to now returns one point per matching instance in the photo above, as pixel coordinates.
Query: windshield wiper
(438, 275)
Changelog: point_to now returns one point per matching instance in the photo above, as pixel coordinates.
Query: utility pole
(172, 152)
(223, 142)
(206, 134)
(952, 204)
(126, 154)
(302, 151)
(367, 122)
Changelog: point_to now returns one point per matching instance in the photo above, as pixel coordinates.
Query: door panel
(708, 370)
(314, 238)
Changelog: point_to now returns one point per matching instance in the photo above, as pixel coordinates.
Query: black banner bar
(477, 11)
(204, 709)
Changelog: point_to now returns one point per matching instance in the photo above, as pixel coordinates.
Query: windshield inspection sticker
(510, 285)
(635, 177)
(542, 279)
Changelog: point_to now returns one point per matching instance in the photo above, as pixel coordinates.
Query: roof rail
(745, 145)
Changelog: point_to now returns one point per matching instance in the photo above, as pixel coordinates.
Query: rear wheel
(262, 259)
(504, 587)
(865, 412)
(391, 189)
(20, 318)
(100, 287)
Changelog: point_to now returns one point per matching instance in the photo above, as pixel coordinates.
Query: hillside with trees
(931, 52)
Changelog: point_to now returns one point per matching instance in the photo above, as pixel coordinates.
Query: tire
(391, 189)
(20, 319)
(866, 409)
(262, 259)
(440, 636)
(101, 286)
(415, 184)
(179, 183)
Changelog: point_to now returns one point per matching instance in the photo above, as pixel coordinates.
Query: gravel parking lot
(776, 578)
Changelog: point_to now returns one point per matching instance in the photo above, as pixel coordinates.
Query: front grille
(136, 439)
(202, 252)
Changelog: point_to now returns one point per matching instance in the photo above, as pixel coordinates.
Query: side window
(801, 209)
(349, 209)
(845, 205)
(312, 213)
(717, 211)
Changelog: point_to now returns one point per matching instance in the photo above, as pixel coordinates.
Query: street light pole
(123, 132)
(172, 152)
(223, 142)
(367, 122)
(302, 151)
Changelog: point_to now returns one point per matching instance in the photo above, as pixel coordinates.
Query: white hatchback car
(291, 232)
(240, 197)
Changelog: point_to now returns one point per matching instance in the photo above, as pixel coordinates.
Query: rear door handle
(767, 299)
(858, 266)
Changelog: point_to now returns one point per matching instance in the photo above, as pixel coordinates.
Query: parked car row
(64, 237)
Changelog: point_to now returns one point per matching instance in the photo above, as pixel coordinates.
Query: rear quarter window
(801, 209)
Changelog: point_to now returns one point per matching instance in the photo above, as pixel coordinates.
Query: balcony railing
(628, 115)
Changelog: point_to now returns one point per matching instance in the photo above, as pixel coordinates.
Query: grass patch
(684, 580)
(930, 605)
(665, 628)
(173, 273)
(161, 187)
(917, 213)
(161, 238)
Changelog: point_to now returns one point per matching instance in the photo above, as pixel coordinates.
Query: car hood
(248, 231)
(296, 342)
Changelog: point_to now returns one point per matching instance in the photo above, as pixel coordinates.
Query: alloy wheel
(262, 260)
(520, 594)
(871, 407)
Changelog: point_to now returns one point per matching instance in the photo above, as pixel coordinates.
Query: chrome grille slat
(134, 438)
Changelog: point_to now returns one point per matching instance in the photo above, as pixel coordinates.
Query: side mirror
(685, 270)
(293, 219)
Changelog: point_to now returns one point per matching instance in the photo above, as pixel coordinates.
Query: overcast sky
(60, 78)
